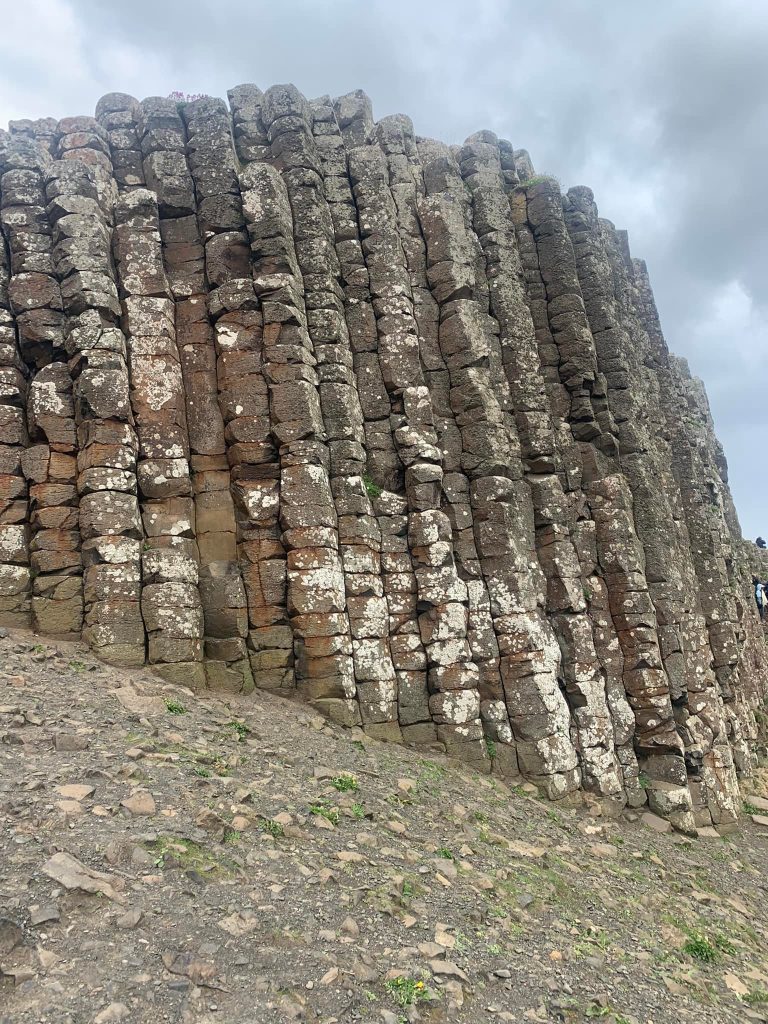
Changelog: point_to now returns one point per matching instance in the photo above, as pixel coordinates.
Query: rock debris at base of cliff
(294, 400)
(172, 856)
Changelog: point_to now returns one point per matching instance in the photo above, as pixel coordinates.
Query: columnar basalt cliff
(293, 399)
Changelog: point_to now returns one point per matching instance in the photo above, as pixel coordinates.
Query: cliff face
(297, 400)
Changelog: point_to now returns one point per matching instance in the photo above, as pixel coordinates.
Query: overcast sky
(660, 107)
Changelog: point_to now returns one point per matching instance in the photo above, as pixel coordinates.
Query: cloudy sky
(661, 107)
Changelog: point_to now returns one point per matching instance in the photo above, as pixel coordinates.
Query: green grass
(431, 772)
(78, 666)
(750, 808)
(700, 948)
(202, 772)
(538, 179)
(372, 489)
(240, 728)
(407, 991)
(445, 853)
(358, 811)
(231, 835)
(756, 997)
(407, 890)
(324, 810)
(185, 854)
(175, 707)
(272, 828)
(345, 783)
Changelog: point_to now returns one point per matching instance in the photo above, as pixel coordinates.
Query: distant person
(760, 542)
(759, 597)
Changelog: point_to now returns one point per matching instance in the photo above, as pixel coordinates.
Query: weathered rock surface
(296, 400)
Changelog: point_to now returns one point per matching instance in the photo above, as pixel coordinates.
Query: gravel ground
(167, 857)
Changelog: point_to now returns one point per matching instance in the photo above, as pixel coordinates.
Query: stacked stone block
(295, 398)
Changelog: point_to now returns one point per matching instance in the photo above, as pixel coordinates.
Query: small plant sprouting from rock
(750, 808)
(175, 707)
(700, 948)
(272, 828)
(445, 853)
(358, 811)
(345, 783)
(406, 991)
(372, 489)
(324, 810)
(240, 728)
(203, 773)
(490, 748)
(78, 666)
(539, 179)
(231, 835)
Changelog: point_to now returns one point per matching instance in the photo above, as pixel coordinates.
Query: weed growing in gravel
(445, 853)
(358, 811)
(407, 890)
(202, 772)
(700, 948)
(345, 783)
(749, 808)
(173, 852)
(324, 810)
(240, 728)
(175, 707)
(359, 744)
(755, 997)
(406, 991)
(78, 666)
(231, 835)
(38, 649)
(272, 828)
(431, 774)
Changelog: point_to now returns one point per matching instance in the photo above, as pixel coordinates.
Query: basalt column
(387, 572)
(289, 118)
(442, 596)
(578, 394)
(110, 525)
(500, 500)
(404, 158)
(170, 601)
(555, 513)
(659, 523)
(15, 576)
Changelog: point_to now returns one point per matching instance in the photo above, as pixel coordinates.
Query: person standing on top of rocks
(759, 597)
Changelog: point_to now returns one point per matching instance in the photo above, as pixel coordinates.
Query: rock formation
(293, 399)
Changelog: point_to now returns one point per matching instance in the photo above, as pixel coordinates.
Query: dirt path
(250, 863)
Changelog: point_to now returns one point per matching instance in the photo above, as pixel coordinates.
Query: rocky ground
(166, 857)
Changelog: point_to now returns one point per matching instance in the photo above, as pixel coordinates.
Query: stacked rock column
(396, 138)
(170, 601)
(231, 317)
(443, 600)
(49, 465)
(501, 504)
(110, 525)
(15, 576)
(301, 494)
(388, 574)
(555, 513)
(566, 346)
(288, 119)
